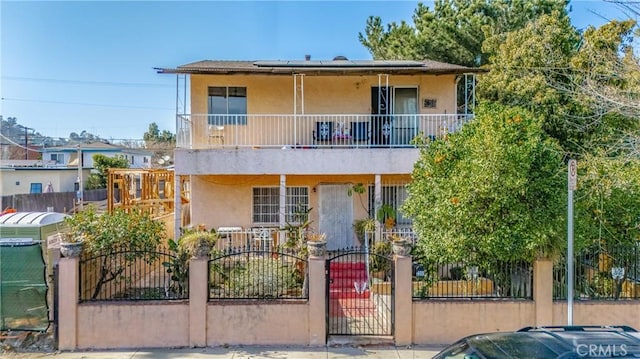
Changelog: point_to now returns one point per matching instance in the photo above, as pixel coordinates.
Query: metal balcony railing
(311, 131)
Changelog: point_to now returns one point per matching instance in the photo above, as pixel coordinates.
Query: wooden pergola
(150, 190)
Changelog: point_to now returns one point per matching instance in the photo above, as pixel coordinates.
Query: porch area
(309, 131)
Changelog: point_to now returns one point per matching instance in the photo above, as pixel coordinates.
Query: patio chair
(360, 131)
(323, 131)
(263, 241)
(216, 134)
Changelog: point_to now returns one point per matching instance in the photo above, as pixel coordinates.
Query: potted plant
(387, 216)
(198, 243)
(362, 226)
(81, 226)
(317, 244)
(380, 259)
(71, 245)
(400, 246)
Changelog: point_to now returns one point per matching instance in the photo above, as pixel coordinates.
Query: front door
(336, 216)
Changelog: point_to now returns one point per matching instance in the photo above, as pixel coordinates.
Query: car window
(513, 345)
(459, 351)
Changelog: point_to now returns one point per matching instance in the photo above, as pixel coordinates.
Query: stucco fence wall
(198, 323)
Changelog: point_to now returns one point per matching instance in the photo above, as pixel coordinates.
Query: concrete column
(543, 291)
(198, 298)
(177, 210)
(377, 203)
(317, 301)
(68, 288)
(282, 208)
(403, 306)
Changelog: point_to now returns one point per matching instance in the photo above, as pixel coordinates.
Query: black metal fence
(600, 273)
(499, 279)
(132, 275)
(244, 273)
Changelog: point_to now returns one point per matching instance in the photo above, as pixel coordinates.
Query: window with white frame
(227, 105)
(266, 204)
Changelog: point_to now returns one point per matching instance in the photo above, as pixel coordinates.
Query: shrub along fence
(130, 275)
(601, 273)
(241, 273)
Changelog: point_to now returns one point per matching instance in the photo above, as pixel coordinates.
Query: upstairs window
(227, 106)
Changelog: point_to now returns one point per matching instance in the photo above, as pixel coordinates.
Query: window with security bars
(393, 196)
(266, 204)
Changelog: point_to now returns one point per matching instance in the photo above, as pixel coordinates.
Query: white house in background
(58, 169)
(15, 179)
(68, 155)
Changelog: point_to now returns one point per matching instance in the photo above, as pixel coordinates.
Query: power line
(85, 104)
(17, 144)
(81, 82)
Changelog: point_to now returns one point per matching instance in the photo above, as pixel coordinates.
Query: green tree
(153, 135)
(551, 68)
(454, 31)
(161, 143)
(608, 205)
(492, 190)
(116, 240)
(101, 164)
(606, 216)
(523, 68)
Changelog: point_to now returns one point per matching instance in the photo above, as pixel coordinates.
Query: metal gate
(360, 293)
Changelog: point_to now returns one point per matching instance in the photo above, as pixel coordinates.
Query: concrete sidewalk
(248, 352)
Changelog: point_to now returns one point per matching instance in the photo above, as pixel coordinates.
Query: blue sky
(88, 65)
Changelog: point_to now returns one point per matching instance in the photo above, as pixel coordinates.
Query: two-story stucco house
(259, 140)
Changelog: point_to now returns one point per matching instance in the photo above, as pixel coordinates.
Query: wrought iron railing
(600, 273)
(497, 279)
(311, 131)
(129, 275)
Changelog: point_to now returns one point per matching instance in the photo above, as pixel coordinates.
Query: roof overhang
(327, 68)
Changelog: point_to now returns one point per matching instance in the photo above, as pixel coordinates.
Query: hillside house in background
(262, 141)
(68, 155)
(57, 171)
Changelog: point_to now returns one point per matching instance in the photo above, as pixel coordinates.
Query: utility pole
(572, 185)
(80, 186)
(26, 143)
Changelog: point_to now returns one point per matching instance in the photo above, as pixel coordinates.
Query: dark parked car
(549, 342)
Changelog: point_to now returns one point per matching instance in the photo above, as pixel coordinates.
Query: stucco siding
(142, 325)
(258, 324)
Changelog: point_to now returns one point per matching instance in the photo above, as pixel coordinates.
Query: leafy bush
(380, 261)
(136, 234)
(260, 278)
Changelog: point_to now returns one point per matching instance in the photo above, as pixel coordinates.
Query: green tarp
(23, 289)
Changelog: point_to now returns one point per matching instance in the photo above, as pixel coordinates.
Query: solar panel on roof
(338, 63)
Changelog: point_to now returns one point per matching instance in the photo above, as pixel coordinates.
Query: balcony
(195, 131)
